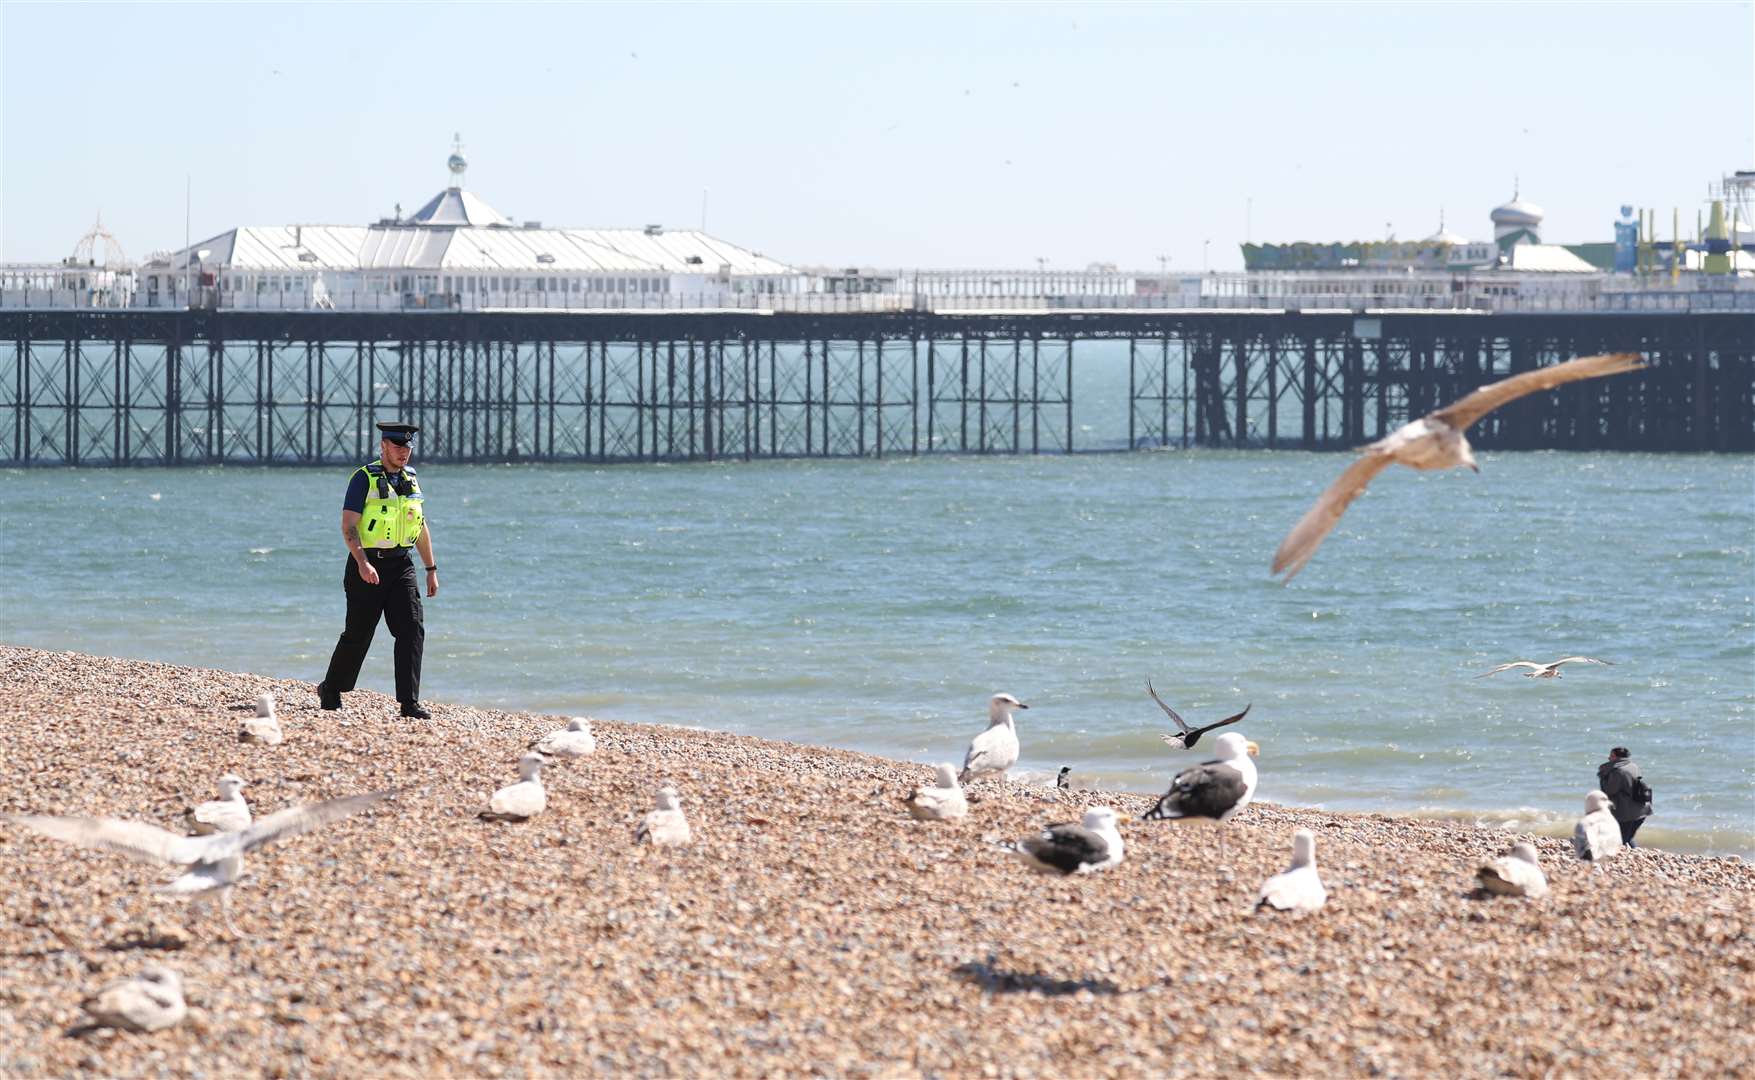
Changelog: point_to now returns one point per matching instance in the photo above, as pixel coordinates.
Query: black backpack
(1641, 791)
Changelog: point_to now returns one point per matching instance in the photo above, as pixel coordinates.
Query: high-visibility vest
(390, 519)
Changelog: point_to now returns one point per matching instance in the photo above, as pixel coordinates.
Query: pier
(107, 387)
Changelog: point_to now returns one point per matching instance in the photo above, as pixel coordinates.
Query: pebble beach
(812, 928)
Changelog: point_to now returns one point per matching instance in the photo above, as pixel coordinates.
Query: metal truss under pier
(151, 388)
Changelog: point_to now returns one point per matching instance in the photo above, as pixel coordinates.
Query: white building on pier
(458, 253)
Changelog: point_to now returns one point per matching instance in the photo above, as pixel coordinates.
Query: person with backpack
(1629, 794)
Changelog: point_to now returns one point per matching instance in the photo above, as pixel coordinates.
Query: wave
(1540, 822)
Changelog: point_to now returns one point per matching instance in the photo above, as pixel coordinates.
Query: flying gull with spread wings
(1544, 671)
(1186, 737)
(212, 862)
(1435, 441)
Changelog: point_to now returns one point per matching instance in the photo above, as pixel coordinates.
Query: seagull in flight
(1186, 737)
(1544, 671)
(213, 862)
(1435, 441)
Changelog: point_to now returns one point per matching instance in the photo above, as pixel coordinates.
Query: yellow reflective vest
(392, 516)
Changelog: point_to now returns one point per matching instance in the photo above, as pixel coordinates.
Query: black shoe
(328, 698)
(412, 708)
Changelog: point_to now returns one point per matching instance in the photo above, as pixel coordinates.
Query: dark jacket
(1616, 780)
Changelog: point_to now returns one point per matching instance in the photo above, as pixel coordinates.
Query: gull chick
(1516, 874)
(212, 863)
(665, 826)
(995, 750)
(1597, 834)
(228, 813)
(1543, 671)
(940, 802)
(1299, 888)
(573, 741)
(150, 1001)
(1435, 441)
(262, 729)
(525, 799)
(1095, 844)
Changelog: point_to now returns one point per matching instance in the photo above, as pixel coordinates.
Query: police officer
(382, 517)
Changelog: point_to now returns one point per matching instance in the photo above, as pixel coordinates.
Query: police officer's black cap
(400, 434)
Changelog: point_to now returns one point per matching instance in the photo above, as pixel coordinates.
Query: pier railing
(58, 287)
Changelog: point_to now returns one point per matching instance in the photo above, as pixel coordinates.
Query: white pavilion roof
(498, 247)
(458, 230)
(1549, 258)
(454, 206)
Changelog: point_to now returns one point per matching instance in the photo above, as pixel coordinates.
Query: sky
(886, 135)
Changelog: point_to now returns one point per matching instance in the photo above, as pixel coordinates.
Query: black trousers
(1628, 828)
(395, 598)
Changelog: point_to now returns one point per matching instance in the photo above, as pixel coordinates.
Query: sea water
(877, 605)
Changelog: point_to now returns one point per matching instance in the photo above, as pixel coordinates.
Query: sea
(877, 605)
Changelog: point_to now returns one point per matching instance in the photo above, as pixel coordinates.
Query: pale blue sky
(890, 135)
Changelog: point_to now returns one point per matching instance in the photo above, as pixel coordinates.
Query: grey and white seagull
(1094, 844)
(1543, 671)
(150, 1001)
(1518, 873)
(211, 863)
(1597, 835)
(228, 813)
(995, 750)
(1185, 736)
(1213, 790)
(1435, 441)
(263, 728)
(1300, 888)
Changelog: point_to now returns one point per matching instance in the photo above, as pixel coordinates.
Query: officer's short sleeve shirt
(356, 494)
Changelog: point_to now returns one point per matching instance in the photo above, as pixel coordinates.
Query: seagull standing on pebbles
(1299, 889)
(1215, 789)
(262, 729)
(151, 1001)
(1075, 849)
(1435, 441)
(1597, 834)
(525, 799)
(573, 741)
(228, 813)
(214, 862)
(1543, 671)
(939, 803)
(665, 826)
(1516, 874)
(995, 750)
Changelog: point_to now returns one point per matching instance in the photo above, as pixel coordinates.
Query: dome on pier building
(1517, 222)
(455, 206)
(1445, 235)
